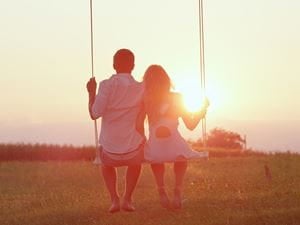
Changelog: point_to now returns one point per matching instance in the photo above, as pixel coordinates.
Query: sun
(193, 96)
(191, 93)
(192, 100)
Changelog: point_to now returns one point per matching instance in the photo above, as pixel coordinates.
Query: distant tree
(222, 138)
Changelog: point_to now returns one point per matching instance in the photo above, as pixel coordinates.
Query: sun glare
(192, 95)
(192, 102)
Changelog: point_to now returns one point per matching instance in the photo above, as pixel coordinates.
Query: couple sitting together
(123, 104)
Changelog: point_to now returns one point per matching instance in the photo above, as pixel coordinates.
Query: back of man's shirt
(118, 102)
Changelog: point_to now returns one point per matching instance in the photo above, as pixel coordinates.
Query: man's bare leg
(132, 176)
(110, 178)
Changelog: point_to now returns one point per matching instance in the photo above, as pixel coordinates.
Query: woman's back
(165, 143)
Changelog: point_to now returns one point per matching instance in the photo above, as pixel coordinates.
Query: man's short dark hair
(124, 60)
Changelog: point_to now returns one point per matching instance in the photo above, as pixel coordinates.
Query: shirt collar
(125, 75)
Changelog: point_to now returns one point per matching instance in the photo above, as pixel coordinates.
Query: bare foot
(115, 206)
(177, 202)
(127, 206)
(163, 197)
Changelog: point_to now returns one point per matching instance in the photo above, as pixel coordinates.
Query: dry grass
(220, 191)
(44, 152)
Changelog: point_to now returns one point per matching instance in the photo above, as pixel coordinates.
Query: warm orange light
(192, 102)
(191, 93)
(190, 88)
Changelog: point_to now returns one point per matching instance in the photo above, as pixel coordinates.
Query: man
(118, 102)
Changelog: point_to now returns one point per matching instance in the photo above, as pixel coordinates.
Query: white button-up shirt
(118, 102)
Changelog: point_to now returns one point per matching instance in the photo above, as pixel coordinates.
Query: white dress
(172, 147)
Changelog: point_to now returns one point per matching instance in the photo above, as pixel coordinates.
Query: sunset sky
(252, 51)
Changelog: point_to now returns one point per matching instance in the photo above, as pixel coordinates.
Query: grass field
(221, 191)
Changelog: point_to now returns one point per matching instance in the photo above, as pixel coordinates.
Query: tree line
(221, 138)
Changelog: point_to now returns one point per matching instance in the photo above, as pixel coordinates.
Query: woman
(165, 144)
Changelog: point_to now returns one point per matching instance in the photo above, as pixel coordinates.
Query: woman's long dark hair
(157, 88)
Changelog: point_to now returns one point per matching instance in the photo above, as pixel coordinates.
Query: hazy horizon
(261, 135)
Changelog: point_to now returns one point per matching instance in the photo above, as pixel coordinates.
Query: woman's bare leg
(179, 170)
(158, 170)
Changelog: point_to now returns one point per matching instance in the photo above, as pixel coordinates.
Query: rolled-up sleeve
(100, 104)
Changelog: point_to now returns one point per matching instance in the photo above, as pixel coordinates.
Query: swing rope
(97, 159)
(202, 62)
(92, 37)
